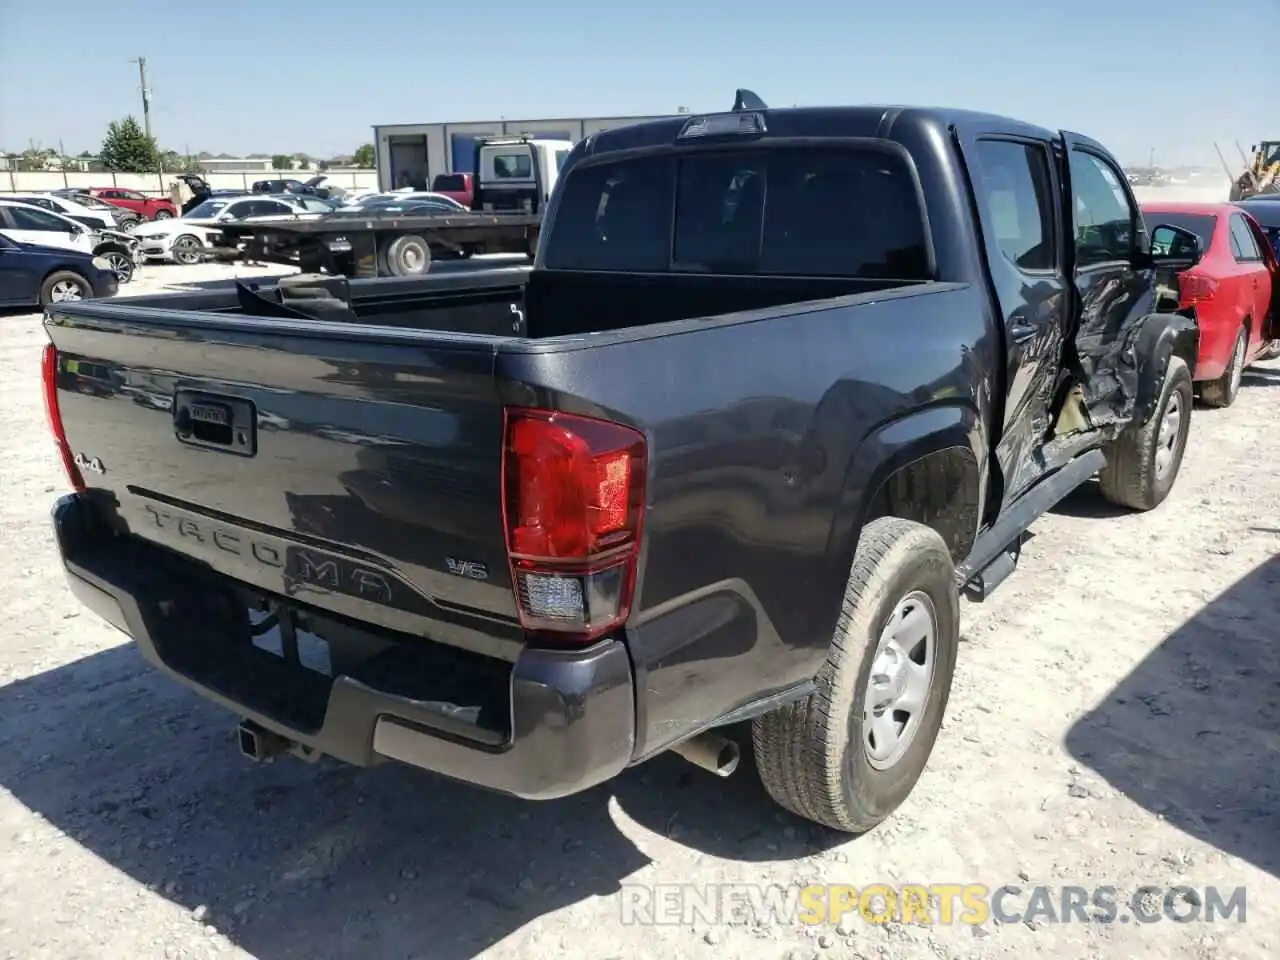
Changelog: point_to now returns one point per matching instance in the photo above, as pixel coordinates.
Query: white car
(28, 224)
(183, 239)
(92, 217)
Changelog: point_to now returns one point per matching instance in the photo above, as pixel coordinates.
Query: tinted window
(42, 202)
(1201, 224)
(614, 216)
(1019, 201)
(829, 212)
(28, 218)
(130, 195)
(1104, 219)
(452, 182)
(238, 211)
(1244, 241)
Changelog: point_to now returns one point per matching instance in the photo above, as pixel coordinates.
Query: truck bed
(514, 300)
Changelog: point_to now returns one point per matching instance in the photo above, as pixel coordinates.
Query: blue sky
(280, 75)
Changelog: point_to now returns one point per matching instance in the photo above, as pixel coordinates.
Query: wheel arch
(929, 467)
(1159, 337)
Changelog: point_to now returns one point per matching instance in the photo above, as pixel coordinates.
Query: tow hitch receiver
(259, 744)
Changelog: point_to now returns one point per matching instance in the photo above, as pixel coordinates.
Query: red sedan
(148, 208)
(1233, 289)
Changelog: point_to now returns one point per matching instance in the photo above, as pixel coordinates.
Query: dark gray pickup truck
(780, 387)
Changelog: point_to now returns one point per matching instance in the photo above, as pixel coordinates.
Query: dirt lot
(1115, 722)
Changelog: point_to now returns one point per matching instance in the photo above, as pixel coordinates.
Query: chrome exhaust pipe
(710, 751)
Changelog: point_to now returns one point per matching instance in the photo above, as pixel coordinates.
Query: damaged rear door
(1017, 190)
(1114, 288)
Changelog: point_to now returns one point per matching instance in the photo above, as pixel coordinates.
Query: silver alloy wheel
(1167, 439)
(163, 214)
(65, 291)
(121, 266)
(1237, 364)
(901, 680)
(186, 250)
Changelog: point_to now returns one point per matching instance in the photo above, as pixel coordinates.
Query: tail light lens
(49, 376)
(1196, 288)
(573, 505)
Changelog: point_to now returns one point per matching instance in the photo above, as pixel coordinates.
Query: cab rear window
(829, 211)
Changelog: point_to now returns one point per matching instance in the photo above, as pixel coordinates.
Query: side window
(25, 218)
(130, 195)
(1018, 197)
(41, 202)
(1104, 225)
(265, 208)
(238, 211)
(1243, 246)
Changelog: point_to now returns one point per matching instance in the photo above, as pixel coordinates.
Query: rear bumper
(572, 723)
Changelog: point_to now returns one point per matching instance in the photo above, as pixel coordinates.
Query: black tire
(163, 215)
(59, 280)
(122, 265)
(127, 223)
(186, 249)
(1133, 476)
(811, 754)
(407, 256)
(1223, 391)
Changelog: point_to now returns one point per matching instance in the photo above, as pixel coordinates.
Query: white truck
(516, 174)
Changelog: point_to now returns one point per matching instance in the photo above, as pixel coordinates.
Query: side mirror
(1175, 245)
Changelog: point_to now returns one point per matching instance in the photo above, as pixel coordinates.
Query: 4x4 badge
(92, 464)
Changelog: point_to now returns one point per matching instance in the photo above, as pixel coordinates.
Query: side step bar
(995, 554)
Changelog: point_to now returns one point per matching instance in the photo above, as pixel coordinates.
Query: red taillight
(49, 376)
(573, 502)
(1196, 288)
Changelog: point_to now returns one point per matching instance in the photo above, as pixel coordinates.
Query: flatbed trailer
(374, 245)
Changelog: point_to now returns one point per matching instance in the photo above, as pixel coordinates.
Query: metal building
(414, 153)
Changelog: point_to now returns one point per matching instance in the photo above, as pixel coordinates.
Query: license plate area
(215, 422)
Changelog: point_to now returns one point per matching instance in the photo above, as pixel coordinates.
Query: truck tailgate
(355, 469)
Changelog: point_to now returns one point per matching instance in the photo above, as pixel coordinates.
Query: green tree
(303, 162)
(282, 161)
(127, 149)
(364, 158)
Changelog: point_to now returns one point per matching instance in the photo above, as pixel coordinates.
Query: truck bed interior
(515, 301)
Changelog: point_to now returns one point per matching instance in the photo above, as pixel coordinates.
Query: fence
(14, 181)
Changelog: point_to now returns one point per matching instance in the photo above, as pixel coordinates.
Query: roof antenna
(744, 99)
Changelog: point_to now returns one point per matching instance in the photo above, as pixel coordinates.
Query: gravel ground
(1114, 722)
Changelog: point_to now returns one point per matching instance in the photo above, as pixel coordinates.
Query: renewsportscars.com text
(938, 903)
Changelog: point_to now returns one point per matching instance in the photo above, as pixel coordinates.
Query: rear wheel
(1143, 462)
(64, 287)
(1223, 391)
(848, 754)
(407, 256)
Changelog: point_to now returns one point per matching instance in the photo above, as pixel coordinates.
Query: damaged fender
(1158, 337)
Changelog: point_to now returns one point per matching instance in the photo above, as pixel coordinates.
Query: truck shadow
(1193, 733)
(294, 860)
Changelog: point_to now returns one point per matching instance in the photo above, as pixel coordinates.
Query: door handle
(1021, 333)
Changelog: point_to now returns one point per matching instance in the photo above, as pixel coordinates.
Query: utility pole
(146, 95)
